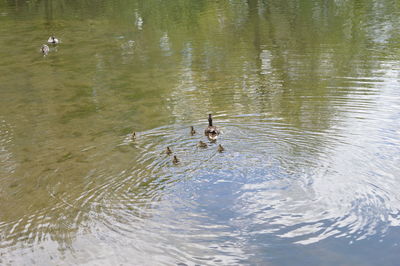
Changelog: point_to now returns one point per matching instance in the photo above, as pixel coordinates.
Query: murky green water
(306, 94)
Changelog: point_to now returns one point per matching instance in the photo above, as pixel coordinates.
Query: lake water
(306, 94)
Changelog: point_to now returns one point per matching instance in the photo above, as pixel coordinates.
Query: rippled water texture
(306, 94)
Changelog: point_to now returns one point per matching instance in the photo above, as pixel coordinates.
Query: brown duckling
(175, 160)
(202, 144)
(211, 131)
(192, 131)
(168, 151)
(220, 148)
(133, 137)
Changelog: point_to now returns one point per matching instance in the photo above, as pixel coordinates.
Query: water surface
(306, 94)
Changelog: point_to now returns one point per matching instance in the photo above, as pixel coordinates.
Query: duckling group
(45, 49)
(211, 132)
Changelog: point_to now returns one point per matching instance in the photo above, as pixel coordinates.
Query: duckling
(133, 135)
(211, 131)
(53, 40)
(168, 151)
(192, 131)
(175, 160)
(44, 49)
(202, 144)
(220, 148)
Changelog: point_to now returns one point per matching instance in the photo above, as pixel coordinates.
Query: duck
(192, 131)
(45, 49)
(53, 40)
(211, 131)
(168, 151)
(133, 135)
(220, 148)
(202, 144)
(175, 160)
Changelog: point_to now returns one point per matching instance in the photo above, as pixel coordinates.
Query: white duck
(53, 40)
(45, 49)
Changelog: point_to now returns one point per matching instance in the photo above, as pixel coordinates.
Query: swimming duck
(168, 151)
(211, 131)
(220, 148)
(53, 40)
(192, 131)
(133, 135)
(175, 160)
(202, 144)
(45, 49)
